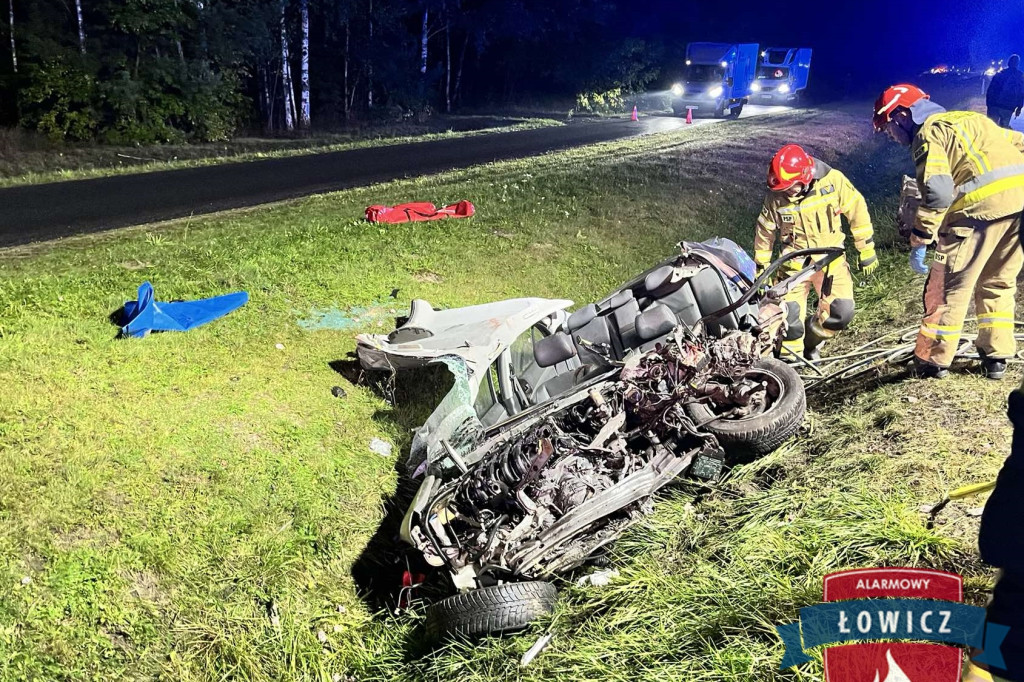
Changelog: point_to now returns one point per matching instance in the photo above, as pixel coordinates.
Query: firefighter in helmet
(971, 176)
(803, 209)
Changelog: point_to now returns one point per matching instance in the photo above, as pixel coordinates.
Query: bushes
(163, 101)
(609, 101)
(58, 102)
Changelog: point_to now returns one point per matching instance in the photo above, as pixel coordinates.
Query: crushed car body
(560, 427)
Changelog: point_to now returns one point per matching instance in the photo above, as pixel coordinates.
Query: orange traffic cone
(689, 116)
(635, 117)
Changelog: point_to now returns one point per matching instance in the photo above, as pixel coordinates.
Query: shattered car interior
(560, 428)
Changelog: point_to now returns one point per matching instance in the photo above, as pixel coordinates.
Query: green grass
(26, 159)
(191, 506)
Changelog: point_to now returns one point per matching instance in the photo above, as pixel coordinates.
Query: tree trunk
(458, 74)
(266, 104)
(304, 68)
(200, 7)
(286, 75)
(369, 65)
(81, 26)
(423, 43)
(347, 108)
(447, 68)
(14, 52)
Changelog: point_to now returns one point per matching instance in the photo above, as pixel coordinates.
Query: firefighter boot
(926, 370)
(812, 341)
(993, 368)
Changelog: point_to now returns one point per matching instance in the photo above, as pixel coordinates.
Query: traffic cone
(635, 117)
(689, 116)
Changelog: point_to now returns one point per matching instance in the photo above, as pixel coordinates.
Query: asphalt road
(35, 213)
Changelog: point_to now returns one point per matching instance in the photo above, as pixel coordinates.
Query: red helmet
(894, 97)
(790, 166)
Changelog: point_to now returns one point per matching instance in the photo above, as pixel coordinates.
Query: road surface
(35, 213)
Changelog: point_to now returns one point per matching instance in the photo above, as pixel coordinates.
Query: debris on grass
(601, 578)
(348, 319)
(338, 392)
(381, 447)
(145, 314)
(535, 650)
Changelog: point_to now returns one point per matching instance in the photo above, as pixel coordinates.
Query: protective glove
(917, 259)
(869, 268)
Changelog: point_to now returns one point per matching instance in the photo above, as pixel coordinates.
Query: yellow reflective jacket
(813, 220)
(967, 167)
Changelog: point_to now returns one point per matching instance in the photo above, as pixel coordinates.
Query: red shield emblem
(894, 661)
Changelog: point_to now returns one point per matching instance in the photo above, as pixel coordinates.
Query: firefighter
(804, 209)
(971, 176)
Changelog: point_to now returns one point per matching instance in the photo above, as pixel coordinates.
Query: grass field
(193, 506)
(29, 159)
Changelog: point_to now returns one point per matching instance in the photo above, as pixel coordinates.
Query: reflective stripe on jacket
(968, 167)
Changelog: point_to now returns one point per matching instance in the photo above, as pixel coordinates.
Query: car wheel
(758, 434)
(490, 610)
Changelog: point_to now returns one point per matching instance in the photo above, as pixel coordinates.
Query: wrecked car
(561, 427)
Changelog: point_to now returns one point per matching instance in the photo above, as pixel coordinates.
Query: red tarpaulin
(417, 211)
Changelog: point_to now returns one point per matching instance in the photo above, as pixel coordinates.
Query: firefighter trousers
(834, 287)
(979, 260)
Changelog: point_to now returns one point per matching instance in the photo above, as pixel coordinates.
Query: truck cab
(716, 80)
(782, 74)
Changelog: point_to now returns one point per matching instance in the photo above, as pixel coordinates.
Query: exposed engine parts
(547, 497)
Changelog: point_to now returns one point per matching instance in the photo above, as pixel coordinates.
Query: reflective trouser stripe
(996, 320)
(982, 268)
(934, 331)
(762, 256)
(863, 231)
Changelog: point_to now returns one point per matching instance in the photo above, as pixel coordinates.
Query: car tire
(490, 610)
(758, 435)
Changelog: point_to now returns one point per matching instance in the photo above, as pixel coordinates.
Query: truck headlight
(678, 89)
(716, 91)
(784, 88)
(755, 87)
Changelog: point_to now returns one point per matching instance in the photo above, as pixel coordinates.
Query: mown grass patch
(26, 159)
(191, 506)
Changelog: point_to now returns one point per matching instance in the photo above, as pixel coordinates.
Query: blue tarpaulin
(145, 314)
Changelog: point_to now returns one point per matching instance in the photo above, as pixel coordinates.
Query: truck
(717, 79)
(782, 74)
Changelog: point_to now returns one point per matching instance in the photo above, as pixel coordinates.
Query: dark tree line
(141, 71)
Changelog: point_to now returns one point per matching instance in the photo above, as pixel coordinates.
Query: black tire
(490, 610)
(758, 435)
(736, 111)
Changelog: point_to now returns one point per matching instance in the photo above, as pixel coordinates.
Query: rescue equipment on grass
(146, 314)
(418, 211)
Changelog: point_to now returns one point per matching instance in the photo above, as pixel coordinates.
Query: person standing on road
(803, 209)
(1005, 95)
(971, 177)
